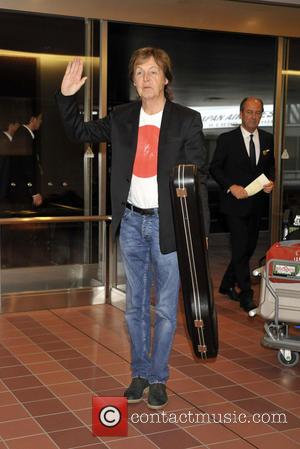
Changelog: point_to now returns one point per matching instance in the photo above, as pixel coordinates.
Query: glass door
(213, 72)
(290, 157)
(51, 241)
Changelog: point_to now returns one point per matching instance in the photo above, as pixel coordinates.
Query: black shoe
(246, 300)
(247, 305)
(230, 292)
(157, 397)
(136, 389)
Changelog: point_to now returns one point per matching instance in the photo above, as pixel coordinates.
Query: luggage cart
(280, 300)
(291, 224)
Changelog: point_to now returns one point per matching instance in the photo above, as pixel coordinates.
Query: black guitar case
(192, 254)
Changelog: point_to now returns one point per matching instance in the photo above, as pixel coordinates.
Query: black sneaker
(157, 397)
(136, 389)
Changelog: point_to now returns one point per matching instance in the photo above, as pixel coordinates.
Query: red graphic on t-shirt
(145, 164)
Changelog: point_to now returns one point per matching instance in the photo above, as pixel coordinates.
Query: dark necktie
(252, 152)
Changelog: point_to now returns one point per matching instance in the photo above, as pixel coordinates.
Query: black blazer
(181, 141)
(5, 145)
(22, 183)
(231, 165)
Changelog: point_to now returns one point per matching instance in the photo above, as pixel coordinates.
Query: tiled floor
(53, 362)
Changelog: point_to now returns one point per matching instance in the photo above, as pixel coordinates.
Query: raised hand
(73, 80)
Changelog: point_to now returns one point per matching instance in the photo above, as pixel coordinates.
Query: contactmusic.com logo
(109, 416)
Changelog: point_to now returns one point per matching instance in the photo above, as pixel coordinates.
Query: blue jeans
(142, 259)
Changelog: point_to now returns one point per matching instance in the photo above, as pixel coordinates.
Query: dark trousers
(244, 235)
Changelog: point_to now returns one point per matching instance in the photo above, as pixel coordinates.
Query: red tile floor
(52, 363)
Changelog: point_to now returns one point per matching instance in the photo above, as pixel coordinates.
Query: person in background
(241, 156)
(25, 165)
(6, 137)
(148, 138)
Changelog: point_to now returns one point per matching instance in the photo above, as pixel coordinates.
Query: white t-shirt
(143, 189)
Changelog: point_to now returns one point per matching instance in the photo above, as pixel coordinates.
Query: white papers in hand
(257, 185)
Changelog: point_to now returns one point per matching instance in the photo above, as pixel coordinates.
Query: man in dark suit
(241, 156)
(24, 164)
(148, 138)
(6, 137)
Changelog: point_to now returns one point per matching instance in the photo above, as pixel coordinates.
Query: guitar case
(200, 312)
